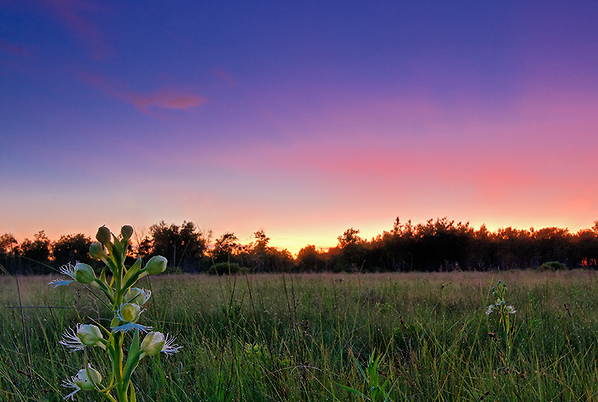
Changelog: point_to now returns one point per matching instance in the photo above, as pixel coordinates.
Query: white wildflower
(156, 342)
(138, 296)
(129, 313)
(68, 270)
(85, 380)
(83, 335)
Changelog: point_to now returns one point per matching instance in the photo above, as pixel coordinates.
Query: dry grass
(309, 337)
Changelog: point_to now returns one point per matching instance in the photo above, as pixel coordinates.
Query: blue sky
(299, 118)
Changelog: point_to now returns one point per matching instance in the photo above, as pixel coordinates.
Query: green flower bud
(84, 273)
(96, 250)
(86, 382)
(152, 343)
(89, 334)
(156, 265)
(126, 231)
(129, 312)
(104, 235)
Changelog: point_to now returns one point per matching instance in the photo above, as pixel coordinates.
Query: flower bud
(89, 334)
(152, 343)
(96, 250)
(156, 265)
(137, 296)
(84, 273)
(126, 231)
(103, 235)
(129, 312)
(86, 382)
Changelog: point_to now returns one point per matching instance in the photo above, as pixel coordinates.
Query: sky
(299, 118)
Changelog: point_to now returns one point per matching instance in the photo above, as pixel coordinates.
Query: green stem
(117, 367)
(110, 397)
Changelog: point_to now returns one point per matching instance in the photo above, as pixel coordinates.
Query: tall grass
(326, 337)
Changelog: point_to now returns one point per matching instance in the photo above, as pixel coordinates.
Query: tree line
(436, 245)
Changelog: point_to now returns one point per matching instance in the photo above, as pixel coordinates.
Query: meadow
(325, 337)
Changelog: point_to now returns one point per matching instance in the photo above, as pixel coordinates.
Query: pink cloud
(14, 49)
(511, 177)
(224, 76)
(12, 56)
(72, 14)
(165, 98)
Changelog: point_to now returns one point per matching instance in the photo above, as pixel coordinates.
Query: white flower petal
(131, 326)
(68, 270)
(169, 348)
(71, 340)
(70, 383)
(58, 282)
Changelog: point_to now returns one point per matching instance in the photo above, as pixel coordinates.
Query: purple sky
(299, 118)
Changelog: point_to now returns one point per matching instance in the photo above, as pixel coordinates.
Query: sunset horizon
(293, 244)
(302, 120)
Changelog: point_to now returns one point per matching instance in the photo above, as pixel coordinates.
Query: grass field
(325, 337)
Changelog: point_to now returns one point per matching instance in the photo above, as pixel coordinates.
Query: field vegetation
(326, 337)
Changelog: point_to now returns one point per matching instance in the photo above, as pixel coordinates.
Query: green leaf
(132, 358)
(351, 390)
(132, 274)
(133, 397)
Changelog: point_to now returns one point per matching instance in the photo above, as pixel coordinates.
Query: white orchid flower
(84, 380)
(129, 314)
(83, 335)
(156, 342)
(138, 296)
(68, 270)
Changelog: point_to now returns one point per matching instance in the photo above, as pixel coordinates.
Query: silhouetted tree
(350, 236)
(226, 248)
(553, 244)
(351, 255)
(585, 249)
(434, 245)
(259, 251)
(71, 248)
(393, 250)
(8, 244)
(183, 246)
(35, 254)
(309, 260)
(481, 253)
(9, 248)
(279, 260)
(144, 247)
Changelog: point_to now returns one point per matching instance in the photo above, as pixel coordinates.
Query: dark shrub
(552, 266)
(226, 268)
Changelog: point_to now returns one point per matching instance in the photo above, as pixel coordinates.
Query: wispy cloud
(14, 49)
(73, 14)
(13, 55)
(164, 98)
(224, 76)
